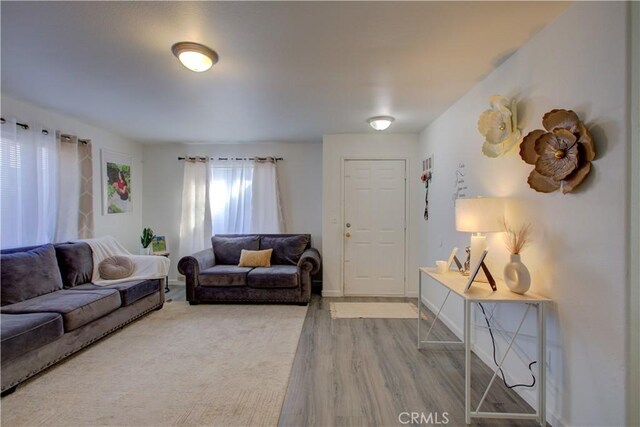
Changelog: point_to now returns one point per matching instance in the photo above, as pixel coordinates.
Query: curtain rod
(44, 131)
(22, 125)
(203, 158)
(68, 137)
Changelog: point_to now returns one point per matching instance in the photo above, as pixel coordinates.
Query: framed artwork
(452, 256)
(159, 244)
(116, 183)
(474, 271)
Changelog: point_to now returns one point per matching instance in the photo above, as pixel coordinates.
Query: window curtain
(228, 197)
(231, 196)
(75, 195)
(28, 185)
(266, 209)
(195, 224)
(68, 188)
(85, 213)
(46, 185)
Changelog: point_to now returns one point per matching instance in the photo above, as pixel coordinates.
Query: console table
(455, 283)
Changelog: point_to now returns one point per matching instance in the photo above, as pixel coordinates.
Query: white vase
(516, 275)
(145, 251)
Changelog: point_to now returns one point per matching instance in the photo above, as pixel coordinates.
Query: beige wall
(633, 390)
(125, 227)
(578, 254)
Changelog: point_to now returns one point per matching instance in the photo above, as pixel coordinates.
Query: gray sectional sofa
(49, 308)
(213, 275)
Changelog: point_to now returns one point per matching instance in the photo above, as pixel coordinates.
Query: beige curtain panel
(75, 195)
(85, 219)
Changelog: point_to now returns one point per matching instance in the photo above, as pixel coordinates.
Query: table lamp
(479, 215)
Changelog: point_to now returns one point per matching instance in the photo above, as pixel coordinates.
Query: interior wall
(336, 148)
(299, 177)
(578, 251)
(633, 390)
(124, 227)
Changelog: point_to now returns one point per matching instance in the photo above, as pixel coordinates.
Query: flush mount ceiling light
(195, 56)
(380, 122)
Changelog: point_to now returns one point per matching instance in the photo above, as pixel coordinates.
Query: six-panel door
(374, 227)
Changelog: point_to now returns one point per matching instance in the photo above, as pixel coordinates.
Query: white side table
(454, 282)
(166, 279)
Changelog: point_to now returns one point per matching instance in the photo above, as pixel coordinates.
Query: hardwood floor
(365, 372)
(176, 293)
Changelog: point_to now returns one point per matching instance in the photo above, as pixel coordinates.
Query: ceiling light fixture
(380, 122)
(195, 56)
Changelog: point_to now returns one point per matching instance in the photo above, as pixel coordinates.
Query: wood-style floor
(365, 372)
(176, 293)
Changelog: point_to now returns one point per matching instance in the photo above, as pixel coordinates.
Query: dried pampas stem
(516, 239)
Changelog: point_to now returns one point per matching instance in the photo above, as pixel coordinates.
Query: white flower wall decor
(499, 126)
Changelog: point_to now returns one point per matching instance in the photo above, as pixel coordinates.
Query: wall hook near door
(426, 177)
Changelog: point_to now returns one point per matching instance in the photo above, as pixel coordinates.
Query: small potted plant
(145, 239)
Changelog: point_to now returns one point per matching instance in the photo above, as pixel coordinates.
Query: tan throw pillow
(255, 258)
(116, 267)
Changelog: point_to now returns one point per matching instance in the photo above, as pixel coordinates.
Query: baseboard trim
(176, 283)
(444, 319)
(326, 293)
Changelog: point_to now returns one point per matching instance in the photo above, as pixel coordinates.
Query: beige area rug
(374, 310)
(204, 365)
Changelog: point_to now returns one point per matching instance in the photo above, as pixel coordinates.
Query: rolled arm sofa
(49, 309)
(213, 275)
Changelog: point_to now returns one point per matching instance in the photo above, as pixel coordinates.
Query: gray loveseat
(49, 308)
(213, 275)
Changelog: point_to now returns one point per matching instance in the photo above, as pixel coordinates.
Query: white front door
(374, 227)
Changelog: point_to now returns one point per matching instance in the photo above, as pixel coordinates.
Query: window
(28, 181)
(244, 197)
(230, 197)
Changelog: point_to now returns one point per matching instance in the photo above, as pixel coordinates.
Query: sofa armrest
(310, 261)
(197, 262)
(191, 266)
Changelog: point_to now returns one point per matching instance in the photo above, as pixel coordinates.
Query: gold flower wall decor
(561, 154)
(499, 126)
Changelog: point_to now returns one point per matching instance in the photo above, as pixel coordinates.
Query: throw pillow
(75, 260)
(287, 250)
(116, 267)
(226, 249)
(255, 258)
(29, 274)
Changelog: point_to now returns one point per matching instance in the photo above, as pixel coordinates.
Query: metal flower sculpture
(561, 155)
(499, 126)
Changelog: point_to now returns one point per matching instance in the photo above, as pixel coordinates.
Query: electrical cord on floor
(493, 343)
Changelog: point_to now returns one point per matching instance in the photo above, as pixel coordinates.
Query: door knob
(347, 234)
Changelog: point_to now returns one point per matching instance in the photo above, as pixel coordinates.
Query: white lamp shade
(479, 215)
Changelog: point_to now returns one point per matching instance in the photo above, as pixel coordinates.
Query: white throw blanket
(146, 266)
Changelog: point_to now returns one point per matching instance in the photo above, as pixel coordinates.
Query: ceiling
(288, 71)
